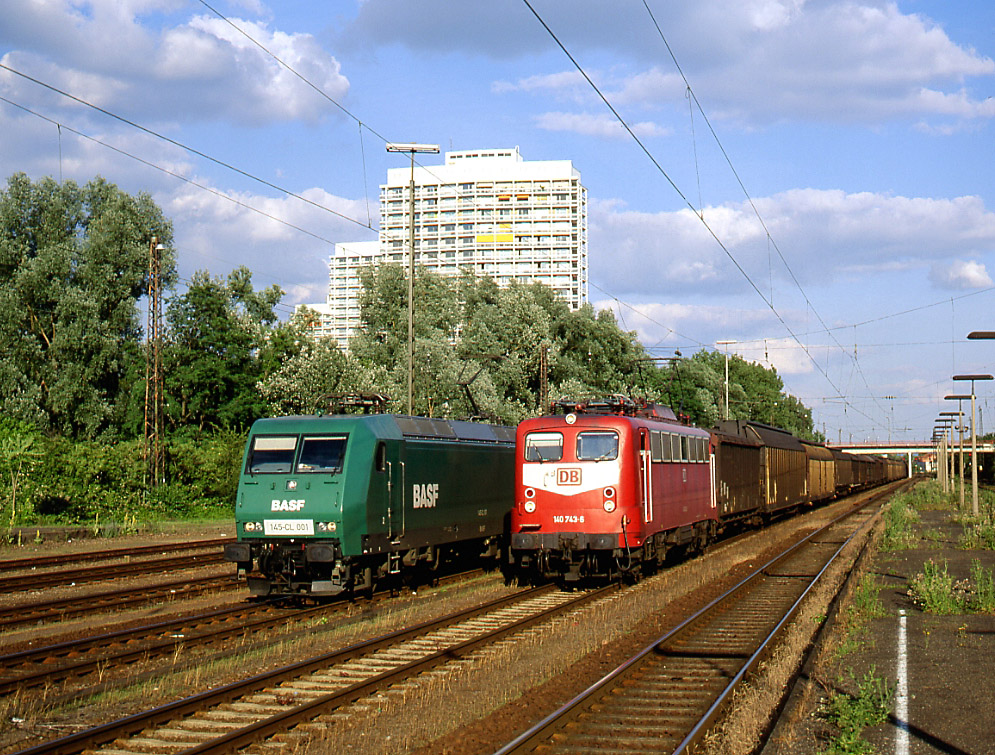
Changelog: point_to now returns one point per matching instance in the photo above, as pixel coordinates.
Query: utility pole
(411, 148)
(155, 458)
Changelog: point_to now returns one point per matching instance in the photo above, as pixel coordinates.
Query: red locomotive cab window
(599, 445)
(543, 447)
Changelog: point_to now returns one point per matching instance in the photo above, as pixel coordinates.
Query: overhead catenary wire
(687, 202)
(770, 239)
(187, 148)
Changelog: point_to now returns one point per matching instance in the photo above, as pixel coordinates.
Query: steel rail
(74, 657)
(541, 733)
(99, 735)
(31, 581)
(63, 608)
(33, 562)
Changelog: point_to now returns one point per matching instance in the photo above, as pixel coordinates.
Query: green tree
(316, 369)
(20, 451)
(73, 264)
(217, 330)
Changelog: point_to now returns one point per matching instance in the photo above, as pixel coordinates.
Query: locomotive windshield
(597, 446)
(321, 454)
(543, 447)
(272, 453)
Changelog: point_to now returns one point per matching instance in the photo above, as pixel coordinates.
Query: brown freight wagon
(785, 464)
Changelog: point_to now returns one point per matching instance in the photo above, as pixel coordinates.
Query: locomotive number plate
(288, 527)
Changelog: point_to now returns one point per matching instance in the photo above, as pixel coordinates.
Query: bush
(77, 482)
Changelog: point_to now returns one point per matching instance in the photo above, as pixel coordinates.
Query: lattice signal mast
(155, 457)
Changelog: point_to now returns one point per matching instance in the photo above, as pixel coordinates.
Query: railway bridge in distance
(923, 451)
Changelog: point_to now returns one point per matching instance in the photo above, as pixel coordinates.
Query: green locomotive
(328, 504)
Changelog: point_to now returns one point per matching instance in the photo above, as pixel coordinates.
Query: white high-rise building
(486, 211)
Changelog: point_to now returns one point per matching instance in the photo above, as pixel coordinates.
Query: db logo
(568, 476)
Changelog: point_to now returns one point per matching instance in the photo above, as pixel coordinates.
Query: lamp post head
(981, 335)
(958, 397)
(411, 147)
(972, 377)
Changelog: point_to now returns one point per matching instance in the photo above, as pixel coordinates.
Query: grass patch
(979, 536)
(899, 516)
(865, 604)
(852, 713)
(934, 590)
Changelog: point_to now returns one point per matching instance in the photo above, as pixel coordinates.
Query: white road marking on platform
(902, 693)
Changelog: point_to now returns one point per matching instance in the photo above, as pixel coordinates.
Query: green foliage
(899, 516)
(865, 605)
(979, 536)
(20, 452)
(216, 332)
(982, 599)
(73, 263)
(852, 713)
(935, 591)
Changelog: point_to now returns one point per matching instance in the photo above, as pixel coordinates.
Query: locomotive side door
(646, 474)
(390, 463)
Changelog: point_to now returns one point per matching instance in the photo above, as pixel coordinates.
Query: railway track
(66, 608)
(233, 716)
(44, 665)
(67, 559)
(665, 697)
(76, 576)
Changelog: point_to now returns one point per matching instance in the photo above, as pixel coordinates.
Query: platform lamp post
(974, 440)
(942, 425)
(726, 344)
(411, 149)
(959, 397)
(960, 446)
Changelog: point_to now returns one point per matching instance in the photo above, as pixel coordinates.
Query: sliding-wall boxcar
(784, 463)
(332, 503)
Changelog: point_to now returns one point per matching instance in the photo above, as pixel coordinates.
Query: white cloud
(111, 54)
(217, 234)
(757, 62)
(960, 274)
(823, 235)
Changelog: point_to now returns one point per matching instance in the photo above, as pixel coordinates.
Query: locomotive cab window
(321, 453)
(272, 453)
(543, 447)
(597, 446)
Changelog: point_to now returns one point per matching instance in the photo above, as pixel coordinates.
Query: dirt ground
(949, 661)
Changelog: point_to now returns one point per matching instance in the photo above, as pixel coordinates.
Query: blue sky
(856, 261)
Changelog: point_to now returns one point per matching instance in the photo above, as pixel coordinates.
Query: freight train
(608, 489)
(336, 503)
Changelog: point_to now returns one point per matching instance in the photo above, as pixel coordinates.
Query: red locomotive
(607, 488)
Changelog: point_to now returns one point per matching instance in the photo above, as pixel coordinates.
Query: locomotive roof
(668, 424)
(411, 427)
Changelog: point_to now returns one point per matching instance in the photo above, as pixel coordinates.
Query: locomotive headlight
(609, 505)
(253, 526)
(326, 526)
(530, 507)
